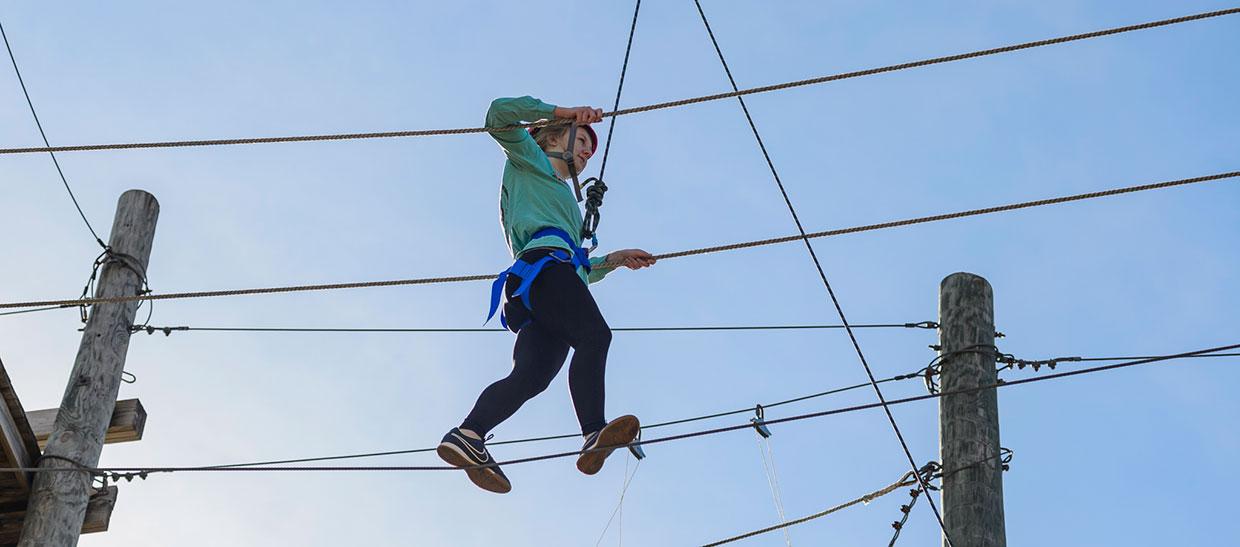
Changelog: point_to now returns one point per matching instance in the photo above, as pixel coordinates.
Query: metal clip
(759, 423)
(636, 447)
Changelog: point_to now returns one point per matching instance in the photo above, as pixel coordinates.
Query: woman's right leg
(537, 357)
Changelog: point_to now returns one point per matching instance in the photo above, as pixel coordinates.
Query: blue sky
(1138, 457)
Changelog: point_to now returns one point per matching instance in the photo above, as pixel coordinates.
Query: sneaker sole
(619, 432)
(484, 478)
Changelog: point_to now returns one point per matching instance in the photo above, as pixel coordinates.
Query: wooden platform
(21, 444)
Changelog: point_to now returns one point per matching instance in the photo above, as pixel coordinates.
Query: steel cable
(839, 310)
(670, 438)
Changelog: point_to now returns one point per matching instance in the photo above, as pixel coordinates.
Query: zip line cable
(930, 325)
(624, 67)
(142, 471)
(39, 124)
(839, 310)
(665, 256)
(639, 109)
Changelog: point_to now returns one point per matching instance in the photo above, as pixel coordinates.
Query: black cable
(45, 141)
(1148, 357)
(611, 128)
(746, 410)
(169, 330)
(821, 274)
(670, 438)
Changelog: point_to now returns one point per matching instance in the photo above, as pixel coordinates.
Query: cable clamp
(636, 447)
(759, 423)
(129, 477)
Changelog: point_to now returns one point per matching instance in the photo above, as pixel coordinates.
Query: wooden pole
(969, 422)
(59, 498)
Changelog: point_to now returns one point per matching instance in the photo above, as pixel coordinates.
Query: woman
(548, 302)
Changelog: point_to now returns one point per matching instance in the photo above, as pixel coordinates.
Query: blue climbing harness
(579, 258)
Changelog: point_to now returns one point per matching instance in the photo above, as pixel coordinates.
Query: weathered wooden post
(58, 501)
(969, 422)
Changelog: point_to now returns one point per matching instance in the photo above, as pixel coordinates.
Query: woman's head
(554, 138)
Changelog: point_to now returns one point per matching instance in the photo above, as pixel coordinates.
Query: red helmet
(593, 136)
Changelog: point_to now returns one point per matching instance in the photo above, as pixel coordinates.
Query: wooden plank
(128, 421)
(98, 517)
(99, 511)
(14, 447)
(20, 446)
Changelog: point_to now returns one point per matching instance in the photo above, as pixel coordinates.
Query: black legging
(564, 315)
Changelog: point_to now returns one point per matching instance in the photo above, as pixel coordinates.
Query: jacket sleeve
(517, 143)
(597, 270)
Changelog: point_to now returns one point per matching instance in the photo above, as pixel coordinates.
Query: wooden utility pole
(969, 422)
(59, 498)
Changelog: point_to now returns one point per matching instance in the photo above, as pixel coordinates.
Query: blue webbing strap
(527, 272)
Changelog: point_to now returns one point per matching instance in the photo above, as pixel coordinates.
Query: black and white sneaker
(599, 445)
(460, 450)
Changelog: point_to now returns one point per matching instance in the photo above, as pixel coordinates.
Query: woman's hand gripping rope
(633, 259)
(579, 114)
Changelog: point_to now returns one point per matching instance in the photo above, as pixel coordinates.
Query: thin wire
(640, 109)
(904, 481)
(32, 310)
(822, 274)
(168, 330)
(611, 128)
(39, 124)
(773, 483)
(666, 256)
(669, 438)
(619, 510)
(779, 493)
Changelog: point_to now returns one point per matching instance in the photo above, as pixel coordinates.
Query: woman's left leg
(564, 307)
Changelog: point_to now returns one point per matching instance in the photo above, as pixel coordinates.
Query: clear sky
(1135, 457)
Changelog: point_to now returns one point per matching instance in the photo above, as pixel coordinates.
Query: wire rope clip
(636, 447)
(759, 423)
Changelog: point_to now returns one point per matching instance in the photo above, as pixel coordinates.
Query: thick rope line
(951, 216)
(707, 328)
(835, 301)
(670, 438)
(639, 109)
(904, 481)
(21, 81)
(624, 67)
(678, 254)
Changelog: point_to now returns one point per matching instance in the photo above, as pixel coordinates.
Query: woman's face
(581, 148)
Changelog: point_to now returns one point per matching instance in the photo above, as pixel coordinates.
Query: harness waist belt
(579, 258)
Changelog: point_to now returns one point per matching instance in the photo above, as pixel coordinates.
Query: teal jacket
(532, 196)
